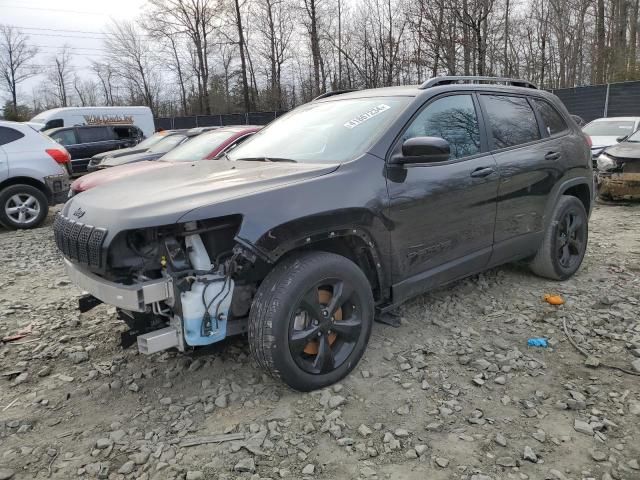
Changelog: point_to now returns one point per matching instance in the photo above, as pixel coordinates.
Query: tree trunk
(243, 62)
(507, 67)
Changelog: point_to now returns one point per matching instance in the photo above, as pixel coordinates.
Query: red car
(206, 146)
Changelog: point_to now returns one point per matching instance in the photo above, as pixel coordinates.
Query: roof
(415, 90)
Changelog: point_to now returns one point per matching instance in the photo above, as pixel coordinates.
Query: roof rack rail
(436, 81)
(334, 92)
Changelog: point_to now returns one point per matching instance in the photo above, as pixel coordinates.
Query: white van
(141, 117)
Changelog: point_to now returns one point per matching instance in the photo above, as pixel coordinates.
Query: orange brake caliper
(324, 297)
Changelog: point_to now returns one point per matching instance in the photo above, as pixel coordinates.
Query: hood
(121, 152)
(626, 150)
(130, 158)
(110, 174)
(161, 196)
(602, 141)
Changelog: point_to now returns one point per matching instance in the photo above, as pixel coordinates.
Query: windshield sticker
(367, 115)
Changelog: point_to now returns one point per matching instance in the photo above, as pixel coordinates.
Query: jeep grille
(80, 242)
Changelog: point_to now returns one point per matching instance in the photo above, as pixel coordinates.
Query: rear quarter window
(8, 135)
(65, 137)
(511, 120)
(553, 121)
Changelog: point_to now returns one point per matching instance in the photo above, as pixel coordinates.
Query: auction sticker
(367, 115)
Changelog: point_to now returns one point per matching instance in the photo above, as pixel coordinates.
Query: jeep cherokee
(336, 212)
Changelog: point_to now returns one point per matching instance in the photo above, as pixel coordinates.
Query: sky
(77, 23)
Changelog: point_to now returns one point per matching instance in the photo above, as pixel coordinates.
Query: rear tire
(311, 319)
(23, 207)
(565, 241)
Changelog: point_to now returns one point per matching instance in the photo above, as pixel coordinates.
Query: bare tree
(15, 61)
(131, 59)
(198, 20)
(274, 19)
(59, 75)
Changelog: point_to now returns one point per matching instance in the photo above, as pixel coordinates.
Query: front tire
(22, 207)
(565, 241)
(311, 319)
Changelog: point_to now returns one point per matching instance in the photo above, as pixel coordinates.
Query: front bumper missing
(58, 185)
(624, 186)
(128, 297)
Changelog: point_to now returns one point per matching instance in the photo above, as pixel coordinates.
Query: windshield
(334, 131)
(167, 143)
(609, 128)
(152, 140)
(199, 147)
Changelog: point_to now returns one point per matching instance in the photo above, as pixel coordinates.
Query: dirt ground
(454, 393)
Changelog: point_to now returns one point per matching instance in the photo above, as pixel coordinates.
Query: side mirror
(621, 138)
(423, 150)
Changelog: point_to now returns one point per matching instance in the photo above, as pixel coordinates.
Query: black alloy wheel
(325, 327)
(311, 319)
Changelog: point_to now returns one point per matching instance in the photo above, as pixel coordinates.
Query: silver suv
(33, 175)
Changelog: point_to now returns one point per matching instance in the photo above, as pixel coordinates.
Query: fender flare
(561, 189)
(272, 256)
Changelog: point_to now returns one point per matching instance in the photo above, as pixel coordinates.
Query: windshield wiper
(266, 159)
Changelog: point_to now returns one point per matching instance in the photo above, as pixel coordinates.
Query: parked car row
(202, 144)
(333, 214)
(35, 167)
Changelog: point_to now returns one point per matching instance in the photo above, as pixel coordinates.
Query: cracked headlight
(605, 162)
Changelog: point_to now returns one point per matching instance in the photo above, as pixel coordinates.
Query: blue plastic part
(537, 342)
(218, 293)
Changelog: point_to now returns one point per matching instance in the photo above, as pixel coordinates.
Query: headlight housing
(605, 162)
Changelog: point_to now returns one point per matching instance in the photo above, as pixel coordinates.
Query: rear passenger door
(527, 158)
(96, 139)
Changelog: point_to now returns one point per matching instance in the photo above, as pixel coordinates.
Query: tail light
(589, 141)
(60, 155)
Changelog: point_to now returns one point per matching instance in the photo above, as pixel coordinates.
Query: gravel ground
(454, 393)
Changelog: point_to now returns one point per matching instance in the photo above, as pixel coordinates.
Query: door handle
(482, 172)
(552, 156)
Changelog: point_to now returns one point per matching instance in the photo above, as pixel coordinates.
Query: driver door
(442, 214)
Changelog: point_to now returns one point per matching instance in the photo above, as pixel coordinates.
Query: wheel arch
(353, 243)
(9, 182)
(575, 187)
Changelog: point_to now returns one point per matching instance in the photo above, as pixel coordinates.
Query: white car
(605, 132)
(33, 175)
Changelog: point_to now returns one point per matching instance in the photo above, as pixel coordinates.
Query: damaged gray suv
(334, 215)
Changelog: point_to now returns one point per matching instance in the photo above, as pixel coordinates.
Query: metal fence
(251, 118)
(596, 101)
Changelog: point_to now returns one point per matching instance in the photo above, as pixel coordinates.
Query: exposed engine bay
(618, 178)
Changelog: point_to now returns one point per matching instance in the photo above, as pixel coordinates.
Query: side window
(93, 134)
(65, 137)
(55, 123)
(8, 135)
(553, 122)
(511, 120)
(126, 133)
(453, 118)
